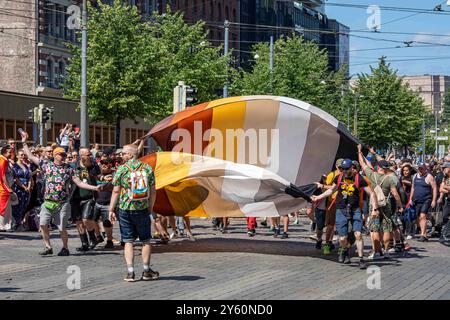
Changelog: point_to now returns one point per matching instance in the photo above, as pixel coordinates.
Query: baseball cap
(59, 150)
(384, 164)
(446, 165)
(346, 164)
(339, 162)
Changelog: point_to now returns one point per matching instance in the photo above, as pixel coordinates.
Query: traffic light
(190, 95)
(47, 117)
(33, 114)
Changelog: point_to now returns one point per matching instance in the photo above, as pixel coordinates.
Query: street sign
(441, 138)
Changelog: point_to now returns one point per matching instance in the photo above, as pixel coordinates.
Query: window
(227, 13)
(219, 8)
(50, 73)
(2, 133)
(10, 129)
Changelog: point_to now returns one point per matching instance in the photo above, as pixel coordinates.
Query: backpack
(361, 191)
(138, 184)
(381, 199)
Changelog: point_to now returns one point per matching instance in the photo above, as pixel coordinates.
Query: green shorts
(384, 222)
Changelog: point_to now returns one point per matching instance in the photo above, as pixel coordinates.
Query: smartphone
(21, 131)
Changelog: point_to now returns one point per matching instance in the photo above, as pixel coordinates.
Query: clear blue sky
(438, 57)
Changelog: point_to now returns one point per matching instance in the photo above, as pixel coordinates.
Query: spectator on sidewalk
(6, 192)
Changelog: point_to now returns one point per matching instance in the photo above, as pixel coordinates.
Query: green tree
(134, 65)
(300, 71)
(446, 112)
(389, 112)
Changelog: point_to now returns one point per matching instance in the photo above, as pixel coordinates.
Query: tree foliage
(300, 71)
(133, 65)
(389, 112)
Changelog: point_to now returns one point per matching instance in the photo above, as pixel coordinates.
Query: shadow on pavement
(182, 278)
(17, 290)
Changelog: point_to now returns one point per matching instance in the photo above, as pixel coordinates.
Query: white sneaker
(374, 256)
(409, 237)
(296, 221)
(173, 235)
(391, 250)
(190, 236)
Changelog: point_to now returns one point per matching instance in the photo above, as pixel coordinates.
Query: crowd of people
(52, 187)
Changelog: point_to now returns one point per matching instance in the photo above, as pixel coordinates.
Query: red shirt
(3, 168)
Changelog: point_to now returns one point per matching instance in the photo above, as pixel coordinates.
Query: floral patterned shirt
(122, 179)
(58, 181)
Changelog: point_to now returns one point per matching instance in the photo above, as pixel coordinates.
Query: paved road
(221, 266)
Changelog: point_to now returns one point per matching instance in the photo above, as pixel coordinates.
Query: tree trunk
(117, 132)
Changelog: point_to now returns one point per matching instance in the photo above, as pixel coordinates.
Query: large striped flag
(200, 186)
(295, 141)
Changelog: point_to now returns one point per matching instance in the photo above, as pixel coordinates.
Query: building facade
(33, 60)
(432, 89)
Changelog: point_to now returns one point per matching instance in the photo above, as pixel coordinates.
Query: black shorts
(422, 207)
(82, 209)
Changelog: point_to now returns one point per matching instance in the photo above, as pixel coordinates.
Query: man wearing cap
(445, 191)
(382, 222)
(58, 178)
(348, 212)
(423, 196)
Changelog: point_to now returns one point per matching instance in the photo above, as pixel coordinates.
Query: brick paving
(220, 266)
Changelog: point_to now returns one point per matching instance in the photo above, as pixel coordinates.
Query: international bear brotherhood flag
(244, 156)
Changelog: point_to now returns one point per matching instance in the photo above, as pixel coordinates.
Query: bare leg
(129, 254)
(46, 235)
(65, 238)
(146, 253)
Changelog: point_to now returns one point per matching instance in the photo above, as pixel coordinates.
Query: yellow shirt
(329, 182)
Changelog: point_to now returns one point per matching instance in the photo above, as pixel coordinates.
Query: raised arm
(27, 151)
(361, 159)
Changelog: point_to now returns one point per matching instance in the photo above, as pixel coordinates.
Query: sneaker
(374, 256)
(173, 235)
(224, 230)
(409, 237)
(109, 244)
(422, 239)
(93, 244)
(129, 277)
(150, 275)
(83, 248)
(362, 264)
(407, 247)
(264, 223)
(64, 252)
(347, 257)
(276, 232)
(284, 235)
(100, 239)
(272, 229)
(387, 255)
(399, 249)
(319, 245)
(296, 221)
(331, 244)
(391, 250)
(190, 236)
(46, 251)
(251, 233)
(326, 249)
(341, 256)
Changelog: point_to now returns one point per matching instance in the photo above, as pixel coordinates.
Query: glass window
(50, 77)
(105, 135)
(91, 135)
(10, 129)
(29, 129)
(98, 135)
(112, 136)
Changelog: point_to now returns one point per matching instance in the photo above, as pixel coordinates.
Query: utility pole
(84, 121)
(436, 134)
(225, 52)
(178, 97)
(41, 124)
(424, 140)
(355, 119)
(271, 58)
